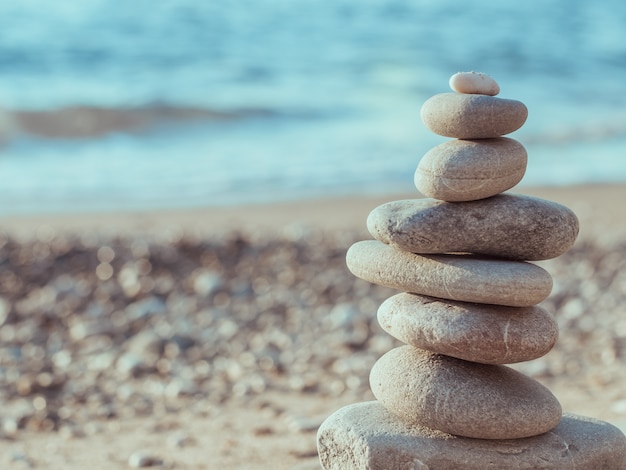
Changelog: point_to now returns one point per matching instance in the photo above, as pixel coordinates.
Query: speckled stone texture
(508, 226)
(454, 277)
(367, 436)
(472, 116)
(489, 334)
(467, 170)
(461, 397)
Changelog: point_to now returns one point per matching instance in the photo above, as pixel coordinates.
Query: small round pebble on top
(474, 83)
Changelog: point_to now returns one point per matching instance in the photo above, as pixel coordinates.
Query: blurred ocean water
(109, 105)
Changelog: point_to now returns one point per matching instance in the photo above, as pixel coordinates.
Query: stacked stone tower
(468, 306)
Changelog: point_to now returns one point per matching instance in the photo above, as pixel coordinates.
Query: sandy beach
(222, 337)
(597, 206)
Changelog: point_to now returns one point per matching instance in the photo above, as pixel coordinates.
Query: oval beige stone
(508, 226)
(466, 170)
(489, 334)
(474, 83)
(462, 277)
(462, 398)
(472, 116)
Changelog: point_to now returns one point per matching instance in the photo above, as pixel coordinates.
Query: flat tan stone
(466, 170)
(472, 116)
(462, 398)
(508, 226)
(489, 334)
(455, 277)
(367, 436)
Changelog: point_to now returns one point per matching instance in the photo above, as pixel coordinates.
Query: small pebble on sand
(141, 459)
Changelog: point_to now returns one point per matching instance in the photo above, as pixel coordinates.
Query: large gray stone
(489, 334)
(467, 170)
(472, 116)
(367, 436)
(461, 397)
(455, 277)
(507, 226)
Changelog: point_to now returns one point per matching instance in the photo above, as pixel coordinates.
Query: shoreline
(599, 208)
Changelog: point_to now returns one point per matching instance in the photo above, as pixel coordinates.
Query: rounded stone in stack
(488, 334)
(467, 170)
(462, 398)
(508, 226)
(472, 116)
(455, 277)
(474, 83)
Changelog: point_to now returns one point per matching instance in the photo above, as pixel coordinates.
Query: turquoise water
(110, 105)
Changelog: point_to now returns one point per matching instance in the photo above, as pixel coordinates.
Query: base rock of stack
(467, 170)
(461, 397)
(464, 278)
(508, 225)
(366, 435)
(488, 334)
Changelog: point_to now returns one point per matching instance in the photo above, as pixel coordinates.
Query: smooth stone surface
(474, 83)
(461, 277)
(367, 436)
(462, 398)
(472, 116)
(466, 170)
(489, 334)
(508, 225)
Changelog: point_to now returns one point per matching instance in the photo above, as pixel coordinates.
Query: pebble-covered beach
(94, 329)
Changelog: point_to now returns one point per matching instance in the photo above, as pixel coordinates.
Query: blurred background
(109, 105)
(142, 105)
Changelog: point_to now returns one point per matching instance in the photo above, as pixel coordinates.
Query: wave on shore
(90, 121)
(82, 121)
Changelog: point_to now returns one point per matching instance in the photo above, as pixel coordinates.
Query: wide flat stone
(455, 277)
(508, 226)
(489, 334)
(367, 436)
(472, 116)
(462, 398)
(466, 170)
